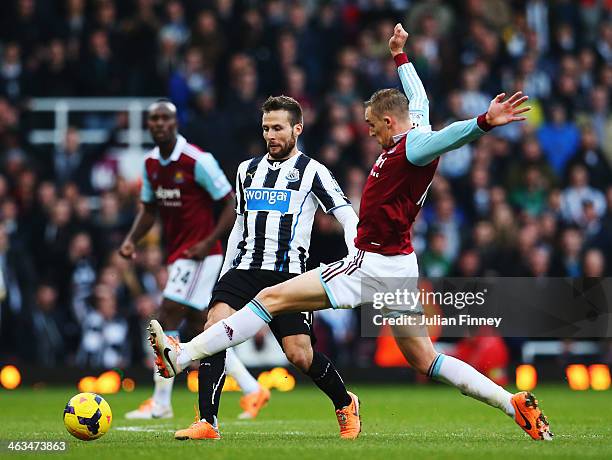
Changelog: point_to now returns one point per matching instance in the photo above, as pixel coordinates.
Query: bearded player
(277, 196)
(393, 195)
(181, 182)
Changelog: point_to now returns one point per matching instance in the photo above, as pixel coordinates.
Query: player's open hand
(199, 250)
(398, 40)
(127, 250)
(503, 112)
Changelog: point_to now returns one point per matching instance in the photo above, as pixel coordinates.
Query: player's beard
(284, 151)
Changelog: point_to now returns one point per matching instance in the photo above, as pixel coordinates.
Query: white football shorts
(359, 278)
(190, 282)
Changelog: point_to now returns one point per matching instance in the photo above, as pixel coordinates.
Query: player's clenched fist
(127, 250)
(398, 40)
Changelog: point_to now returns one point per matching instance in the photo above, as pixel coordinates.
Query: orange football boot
(200, 429)
(349, 419)
(529, 416)
(253, 402)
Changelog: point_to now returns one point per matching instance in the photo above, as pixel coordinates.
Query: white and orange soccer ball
(87, 416)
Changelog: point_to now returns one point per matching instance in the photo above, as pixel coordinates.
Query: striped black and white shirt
(277, 201)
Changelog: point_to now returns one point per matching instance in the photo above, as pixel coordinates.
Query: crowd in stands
(530, 199)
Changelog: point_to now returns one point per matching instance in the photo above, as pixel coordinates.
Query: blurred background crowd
(531, 199)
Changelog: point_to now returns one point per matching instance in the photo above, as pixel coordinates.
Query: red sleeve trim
(229, 194)
(482, 122)
(401, 59)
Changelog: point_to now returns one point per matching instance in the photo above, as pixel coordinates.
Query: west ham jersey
(393, 196)
(184, 187)
(400, 179)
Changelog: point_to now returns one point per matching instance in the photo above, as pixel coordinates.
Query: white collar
(176, 152)
(397, 137)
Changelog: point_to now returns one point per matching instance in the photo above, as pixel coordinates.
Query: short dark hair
(388, 100)
(164, 101)
(286, 103)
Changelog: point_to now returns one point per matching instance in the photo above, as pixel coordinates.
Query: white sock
(471, 382)
(235, 368)
(235, 329)
(162, 390)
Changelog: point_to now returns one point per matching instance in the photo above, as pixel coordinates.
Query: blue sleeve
(210, 176)
(424, 146)
(415, 92)
(146, 192)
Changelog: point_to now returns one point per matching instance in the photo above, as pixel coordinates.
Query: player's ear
(298, 128)
(388, 121)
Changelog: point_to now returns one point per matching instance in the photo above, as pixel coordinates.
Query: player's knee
(299, 357)
(271, 296)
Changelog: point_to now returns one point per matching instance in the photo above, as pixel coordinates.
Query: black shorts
(237, 287)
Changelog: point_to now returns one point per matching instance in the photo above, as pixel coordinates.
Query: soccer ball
(87, 416)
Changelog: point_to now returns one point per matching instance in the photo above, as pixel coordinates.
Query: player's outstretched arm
(413, 87)
(424, 147)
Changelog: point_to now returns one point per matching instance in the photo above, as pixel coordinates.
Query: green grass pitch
(410, 421)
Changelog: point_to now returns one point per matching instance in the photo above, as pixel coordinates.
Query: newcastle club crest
(293, 175)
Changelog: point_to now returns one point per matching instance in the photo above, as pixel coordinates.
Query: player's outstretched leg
(302, 293)
(160, 405)
(211, 377)
(523, 407)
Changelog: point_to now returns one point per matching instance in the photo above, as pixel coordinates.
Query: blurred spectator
(531, 158)
(49, 324)
(55, 78)
(593, 264)
(599, 117)
(473, 101)
(536, 82)
(578, 194)
(468, 265)
(139, 50)
(208, 38)
(12, 73)
(16, 280)
(51, 239)
(448, 222)
(176, 28)
(105, 342)
(569, 262)
(591, 157)
(100, 75)
(559, 138)
(81, 272)
(434, 262)
(190, 80)
(532, 199)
